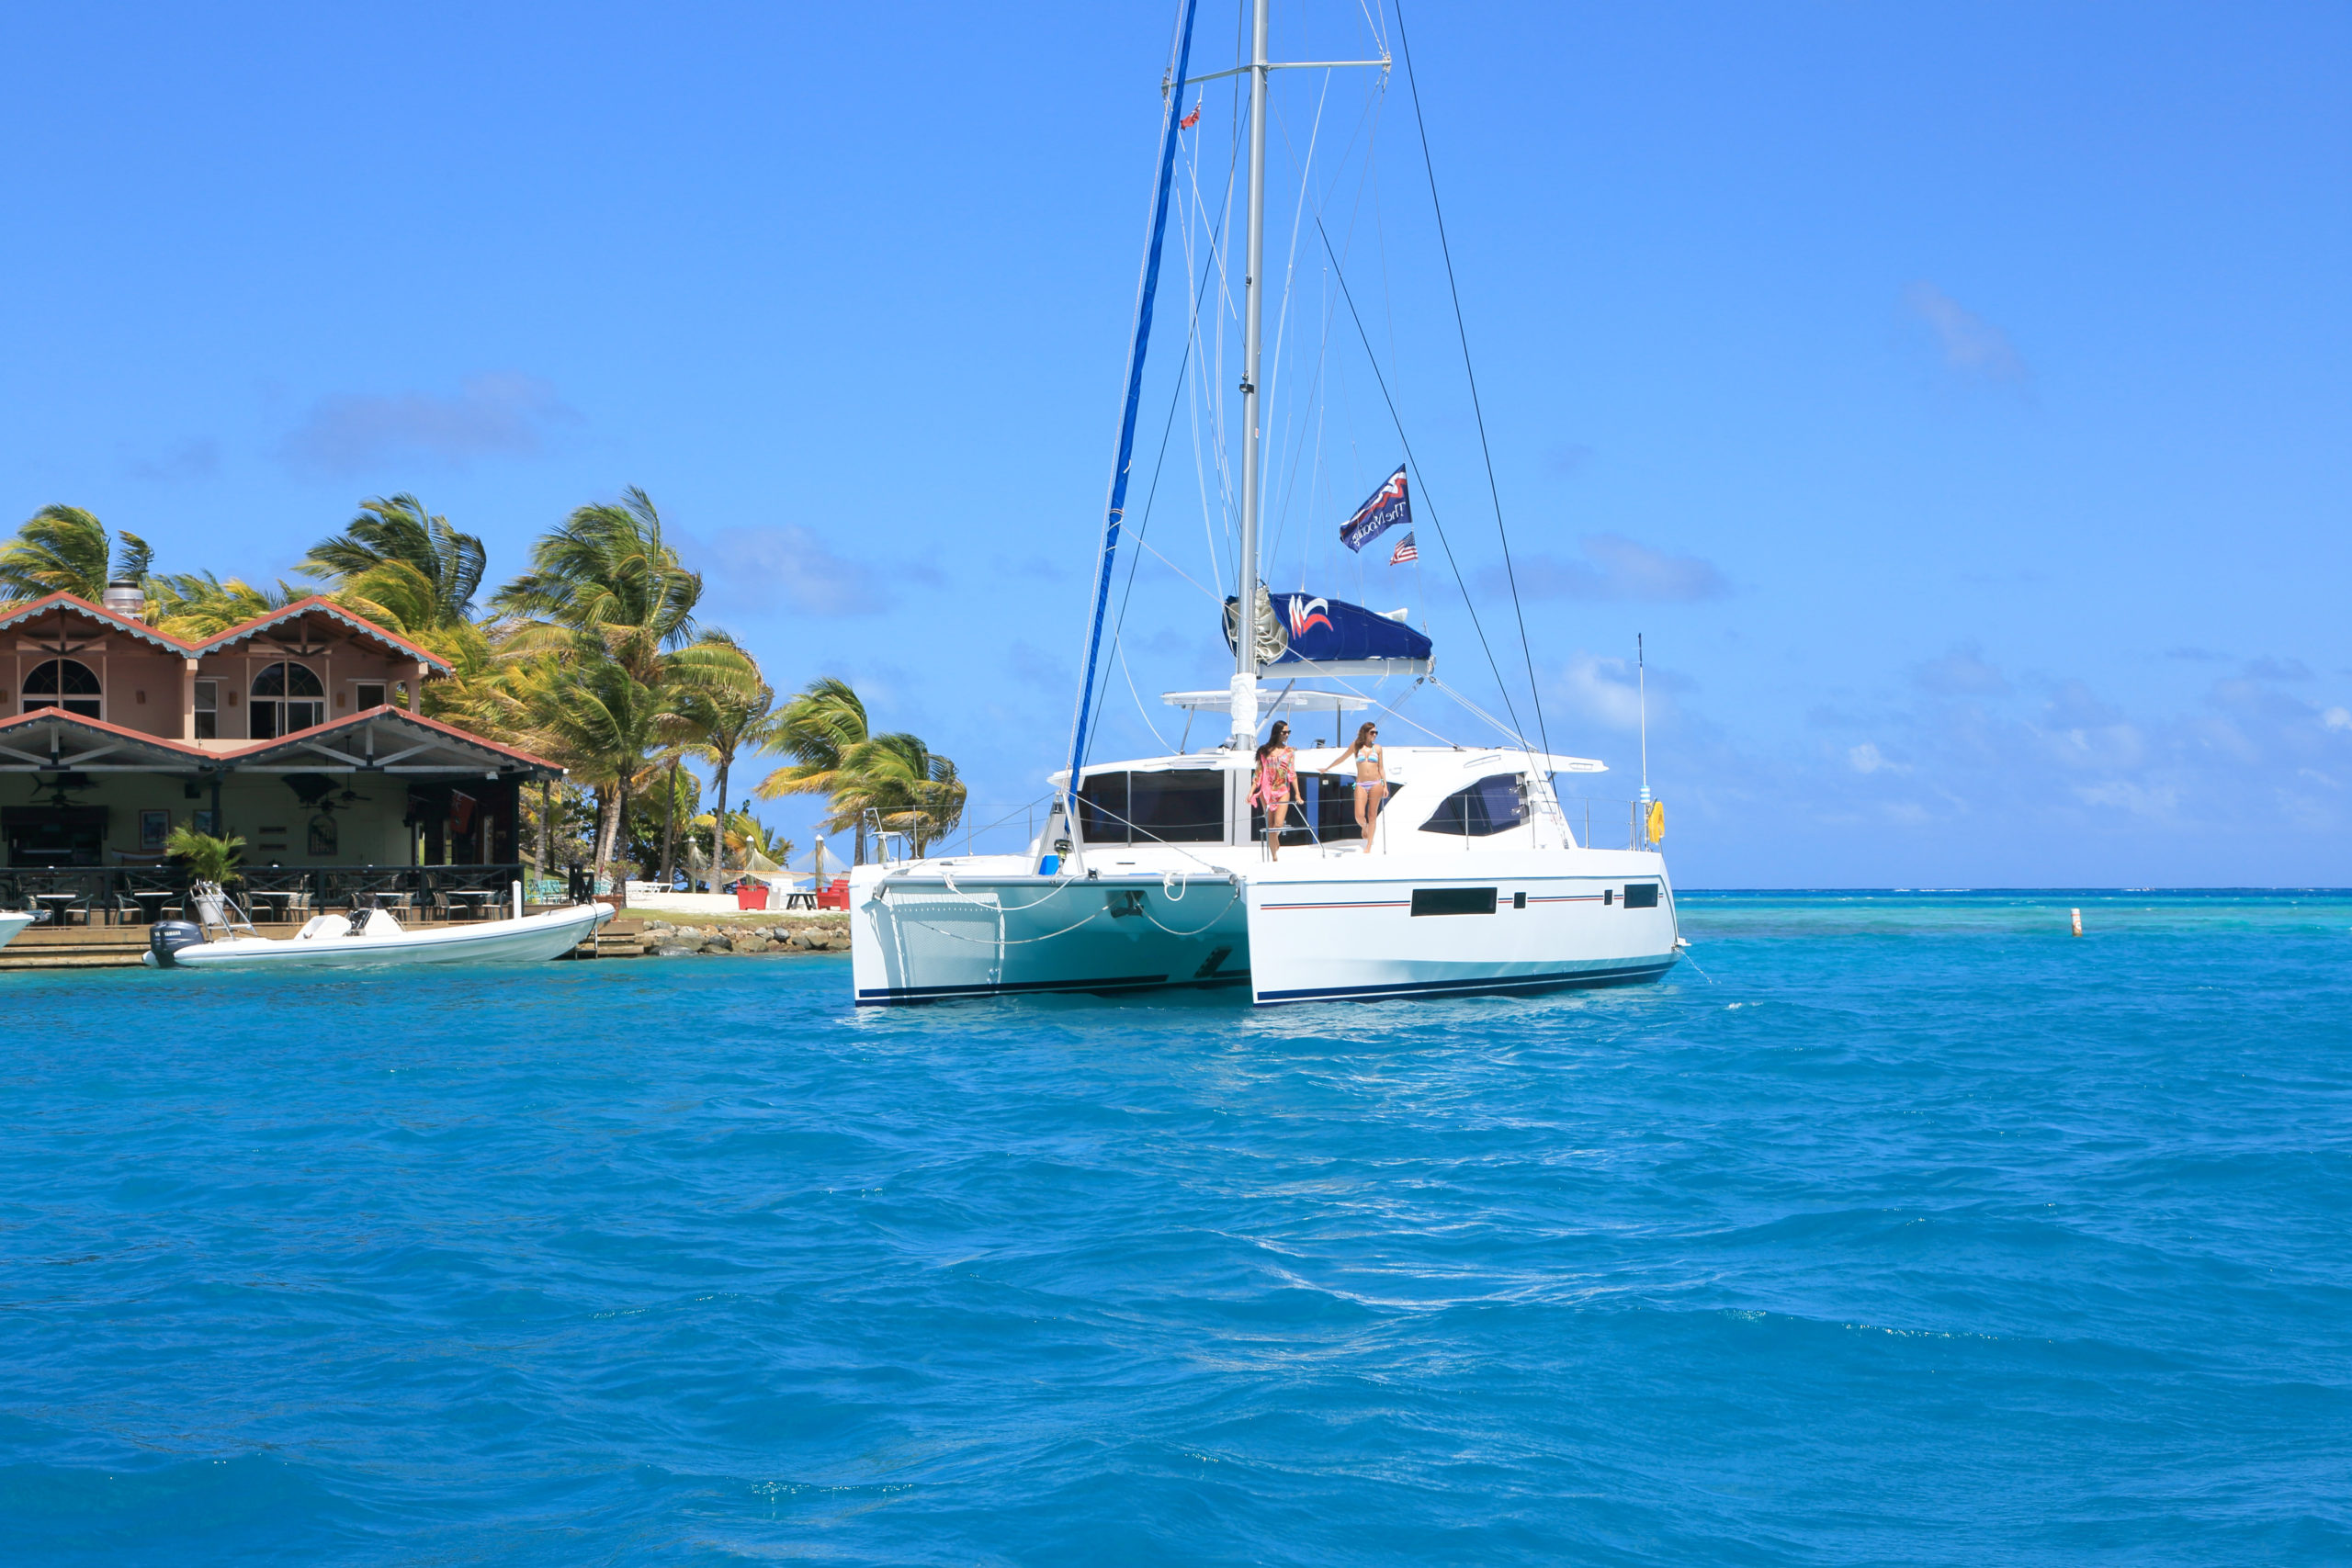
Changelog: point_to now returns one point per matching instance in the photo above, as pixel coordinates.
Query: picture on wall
(323, 835)
(155, 827)
(203, 822)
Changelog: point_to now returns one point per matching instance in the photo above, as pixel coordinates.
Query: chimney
(125, 597)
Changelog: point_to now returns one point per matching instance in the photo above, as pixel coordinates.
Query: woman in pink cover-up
(1276, 785)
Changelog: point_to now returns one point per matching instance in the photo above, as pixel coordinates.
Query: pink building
(293, 731)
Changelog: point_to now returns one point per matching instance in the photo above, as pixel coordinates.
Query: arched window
(287, 697)
(65, 683)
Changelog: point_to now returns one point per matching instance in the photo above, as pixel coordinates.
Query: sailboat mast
(1253, 287)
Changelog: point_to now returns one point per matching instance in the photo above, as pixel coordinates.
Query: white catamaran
(1155, 872)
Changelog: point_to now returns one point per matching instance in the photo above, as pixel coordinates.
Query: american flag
(1405, 552)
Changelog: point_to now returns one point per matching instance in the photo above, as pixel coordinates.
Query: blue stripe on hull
(890, 995)
(1631, 975)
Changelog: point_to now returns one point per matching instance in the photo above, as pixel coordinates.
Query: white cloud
(496, 415)
(1970, 344)
(1868, 759)
(1614, 568)
(770, 568)
(2337, 718)
(1603, 691)
(1961, 673)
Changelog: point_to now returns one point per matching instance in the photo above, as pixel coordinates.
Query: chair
(835, 897)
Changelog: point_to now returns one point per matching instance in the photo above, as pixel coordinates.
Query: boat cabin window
(1177, 806)
(1496, 803)
(65, 683)
(287, 697)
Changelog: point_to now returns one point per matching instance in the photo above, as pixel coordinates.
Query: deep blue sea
(1912, 1231)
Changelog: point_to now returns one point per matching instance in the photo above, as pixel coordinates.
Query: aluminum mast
(1253, 292)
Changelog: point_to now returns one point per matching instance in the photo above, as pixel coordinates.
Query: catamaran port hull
(1308, 928)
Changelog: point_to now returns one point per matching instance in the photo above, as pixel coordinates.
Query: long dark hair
(1363, 731)
(1278, 736)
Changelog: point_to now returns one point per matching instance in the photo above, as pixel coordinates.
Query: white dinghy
(366, 937)
(12, 921)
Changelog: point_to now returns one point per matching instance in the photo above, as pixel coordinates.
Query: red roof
(256, 748)
(313, 604)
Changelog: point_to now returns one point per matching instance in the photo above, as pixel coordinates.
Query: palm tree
(65, 550)
(606, 570)
(819, 729)
(908, 787)
(606, 602)
(590, 713)
(198, 604)
(719, 718)
(397, 563)
(898, 780)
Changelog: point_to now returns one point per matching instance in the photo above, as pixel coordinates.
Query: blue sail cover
(1332, 631)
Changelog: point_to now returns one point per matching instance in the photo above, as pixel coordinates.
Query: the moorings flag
(1387, 507)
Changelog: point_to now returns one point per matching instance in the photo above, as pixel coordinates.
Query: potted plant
(211, 864)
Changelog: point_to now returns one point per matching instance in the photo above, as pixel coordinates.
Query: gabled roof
(315, 604)
(52, 737)
(360, 741)
(73, 604)
(386, 740)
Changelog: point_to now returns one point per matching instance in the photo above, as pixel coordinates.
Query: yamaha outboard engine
(165, 938)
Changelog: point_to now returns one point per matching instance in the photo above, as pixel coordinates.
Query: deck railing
(123, 894)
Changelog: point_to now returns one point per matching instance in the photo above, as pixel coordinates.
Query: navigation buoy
(2079, 920)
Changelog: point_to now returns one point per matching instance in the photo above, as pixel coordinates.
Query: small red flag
(1190, 121)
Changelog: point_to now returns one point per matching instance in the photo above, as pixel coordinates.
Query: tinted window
(1326, 812)
(1173, 807)
(1496, 803)
(1641, 894)
(1453, 900)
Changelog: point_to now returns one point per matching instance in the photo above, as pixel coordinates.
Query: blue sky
(1958, 397)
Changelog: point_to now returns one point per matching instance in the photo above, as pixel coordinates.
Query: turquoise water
(1913, 1231)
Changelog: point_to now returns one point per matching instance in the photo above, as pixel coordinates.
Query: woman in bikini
(1372, 778)
(1277, 785)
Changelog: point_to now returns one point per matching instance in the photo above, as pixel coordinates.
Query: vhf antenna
(1641, 679)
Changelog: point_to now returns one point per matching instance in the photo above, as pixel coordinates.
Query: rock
(667, 950)
(658, 928)
(716, 945)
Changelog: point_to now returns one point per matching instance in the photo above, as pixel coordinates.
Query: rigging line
(1283, 512)
(1139, 697)
(1462, 329)
(1274, 381)
(1116, 503)
(1477, 625)
(1509, 733)
(1159, 467)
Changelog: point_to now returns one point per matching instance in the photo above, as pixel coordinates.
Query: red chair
(750, 895)
(836, 897)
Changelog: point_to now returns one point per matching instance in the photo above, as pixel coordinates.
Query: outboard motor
(165, 938)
